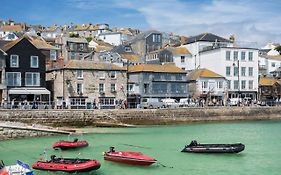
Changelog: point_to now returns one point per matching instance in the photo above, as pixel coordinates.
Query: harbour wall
(128, 117)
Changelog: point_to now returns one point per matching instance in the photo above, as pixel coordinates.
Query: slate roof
(143, 35)
(206, 37)
(167, 68)
(37, 41)
(90, 65)
(202, 73)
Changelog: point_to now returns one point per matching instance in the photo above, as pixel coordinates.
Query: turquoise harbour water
(262, 155)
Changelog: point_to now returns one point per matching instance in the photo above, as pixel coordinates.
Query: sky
(250, 21)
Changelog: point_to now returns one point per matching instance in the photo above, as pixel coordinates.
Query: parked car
(186, 102)
(234, 101)
(170, 103)
(152, 103)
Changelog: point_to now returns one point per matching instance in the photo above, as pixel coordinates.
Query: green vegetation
(278, 48)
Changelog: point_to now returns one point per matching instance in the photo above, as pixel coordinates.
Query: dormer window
(53, 54)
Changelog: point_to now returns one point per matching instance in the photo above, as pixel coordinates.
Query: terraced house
(156, 81)
(81, 84)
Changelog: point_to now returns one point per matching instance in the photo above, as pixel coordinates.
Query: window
(13, 78)
(205, 84)
(113, 88)
(227, 71)
(243, 56)
(235, 55)
(130, 87)
(182, 59)
(79, 88)
(78, 103)
(227, 55)
(81, 46)
(243, 84)
(32, 79)
(243, 71)
(250, 71)
(101, 87)
(236, 71)
(107, 102)
(157, 76)
(53, 54)
(34, 62)
(113, 74)
(14, 61)
(156, 38)
(168, 77)
(251, 84)
(236, 84)
(71, 46)
(228, 84)
(146, 88)
(179, 77)
(159, 88)
(272, 64)
(220, 83)
(178, 88)
(250, 56)
(72, 55)
(79, 74)
(128, 49)
(101, 75)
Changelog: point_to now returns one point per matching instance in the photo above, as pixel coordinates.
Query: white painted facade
(182, 61)
(269, 64)
(244, 68)
(213, 86)
(195, 48)
(113, 38)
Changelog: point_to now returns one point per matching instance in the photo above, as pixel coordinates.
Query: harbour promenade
(70, 118)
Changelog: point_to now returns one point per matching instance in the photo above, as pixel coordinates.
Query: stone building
(81, 84)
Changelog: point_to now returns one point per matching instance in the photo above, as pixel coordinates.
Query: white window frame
(53, 55)
(31, 61)
(250, 56)
(17, 61)
(227, 55)
(79, 92)
(101, 88)
(32, 74)
(113, 87)
(18, 78)
(79, 74)
(243, 84)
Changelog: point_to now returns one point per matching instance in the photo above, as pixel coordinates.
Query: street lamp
(238, 77)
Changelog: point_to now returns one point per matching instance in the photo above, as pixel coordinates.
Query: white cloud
(254, 21)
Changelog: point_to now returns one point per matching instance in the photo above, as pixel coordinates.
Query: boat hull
(215, 148)
(64, 145)
(141, 160)
(85, 166)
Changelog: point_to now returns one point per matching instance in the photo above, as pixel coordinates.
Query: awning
(36, 91)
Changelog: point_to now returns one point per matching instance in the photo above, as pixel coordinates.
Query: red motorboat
(70, 145)
(133, 158)
(67, 164)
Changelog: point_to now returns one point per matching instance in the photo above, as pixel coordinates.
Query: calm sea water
(262, 155)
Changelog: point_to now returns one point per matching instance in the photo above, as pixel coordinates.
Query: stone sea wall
(8, 133)
(117, 117)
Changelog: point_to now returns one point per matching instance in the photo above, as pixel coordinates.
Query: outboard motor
(75, 140)
(193, 143)
(111, 149)
(53, 157)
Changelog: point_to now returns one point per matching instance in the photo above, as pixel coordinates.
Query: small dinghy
(67, 164)
(19, 169)
(128, 157)
(195, 147)
(70, 145)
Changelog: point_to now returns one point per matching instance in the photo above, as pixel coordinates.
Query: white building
(113, 38)
(207, 84)
(239, 65)
(268, 64)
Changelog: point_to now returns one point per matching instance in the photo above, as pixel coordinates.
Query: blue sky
(249, 20)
